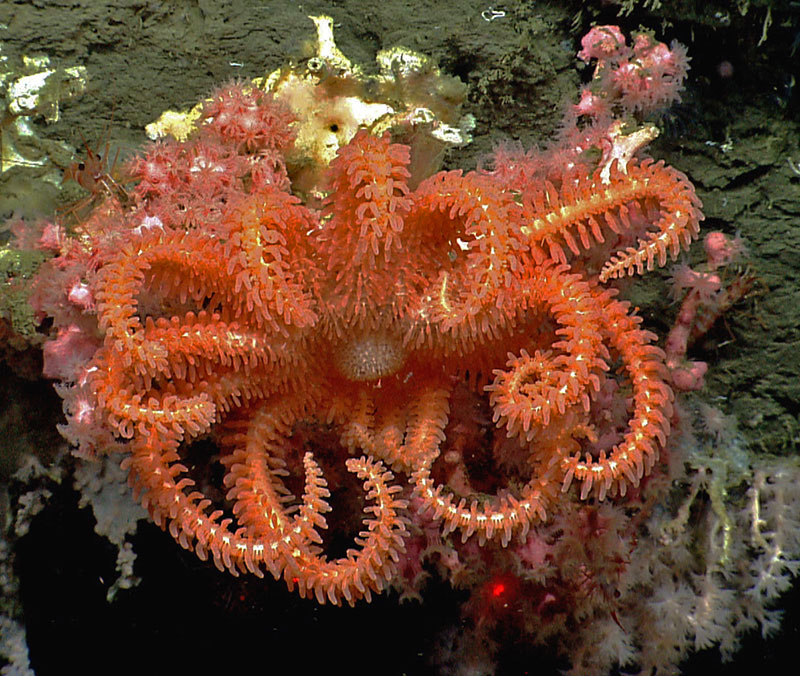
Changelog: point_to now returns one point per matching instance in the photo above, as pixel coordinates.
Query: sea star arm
(532, 389)
(648, 429)
(585, 208)
(362, 232)
(178, 373)
(267, 536)
(260, 505)
(557, 383)
(472, 293)
(268, 257)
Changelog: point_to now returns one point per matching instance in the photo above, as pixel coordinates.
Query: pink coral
(642, 78)
(706, 298)
(721, 249)
(601, 43)
(705, 284)
(156, 171)
(65, 356)
(248, 116)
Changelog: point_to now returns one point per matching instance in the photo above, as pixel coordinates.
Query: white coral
(709, 569)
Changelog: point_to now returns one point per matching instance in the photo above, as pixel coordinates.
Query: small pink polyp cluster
(643, 78)
(238, 115)
(238, 148)
(629, 84)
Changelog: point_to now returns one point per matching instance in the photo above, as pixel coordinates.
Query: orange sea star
(278, 326)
